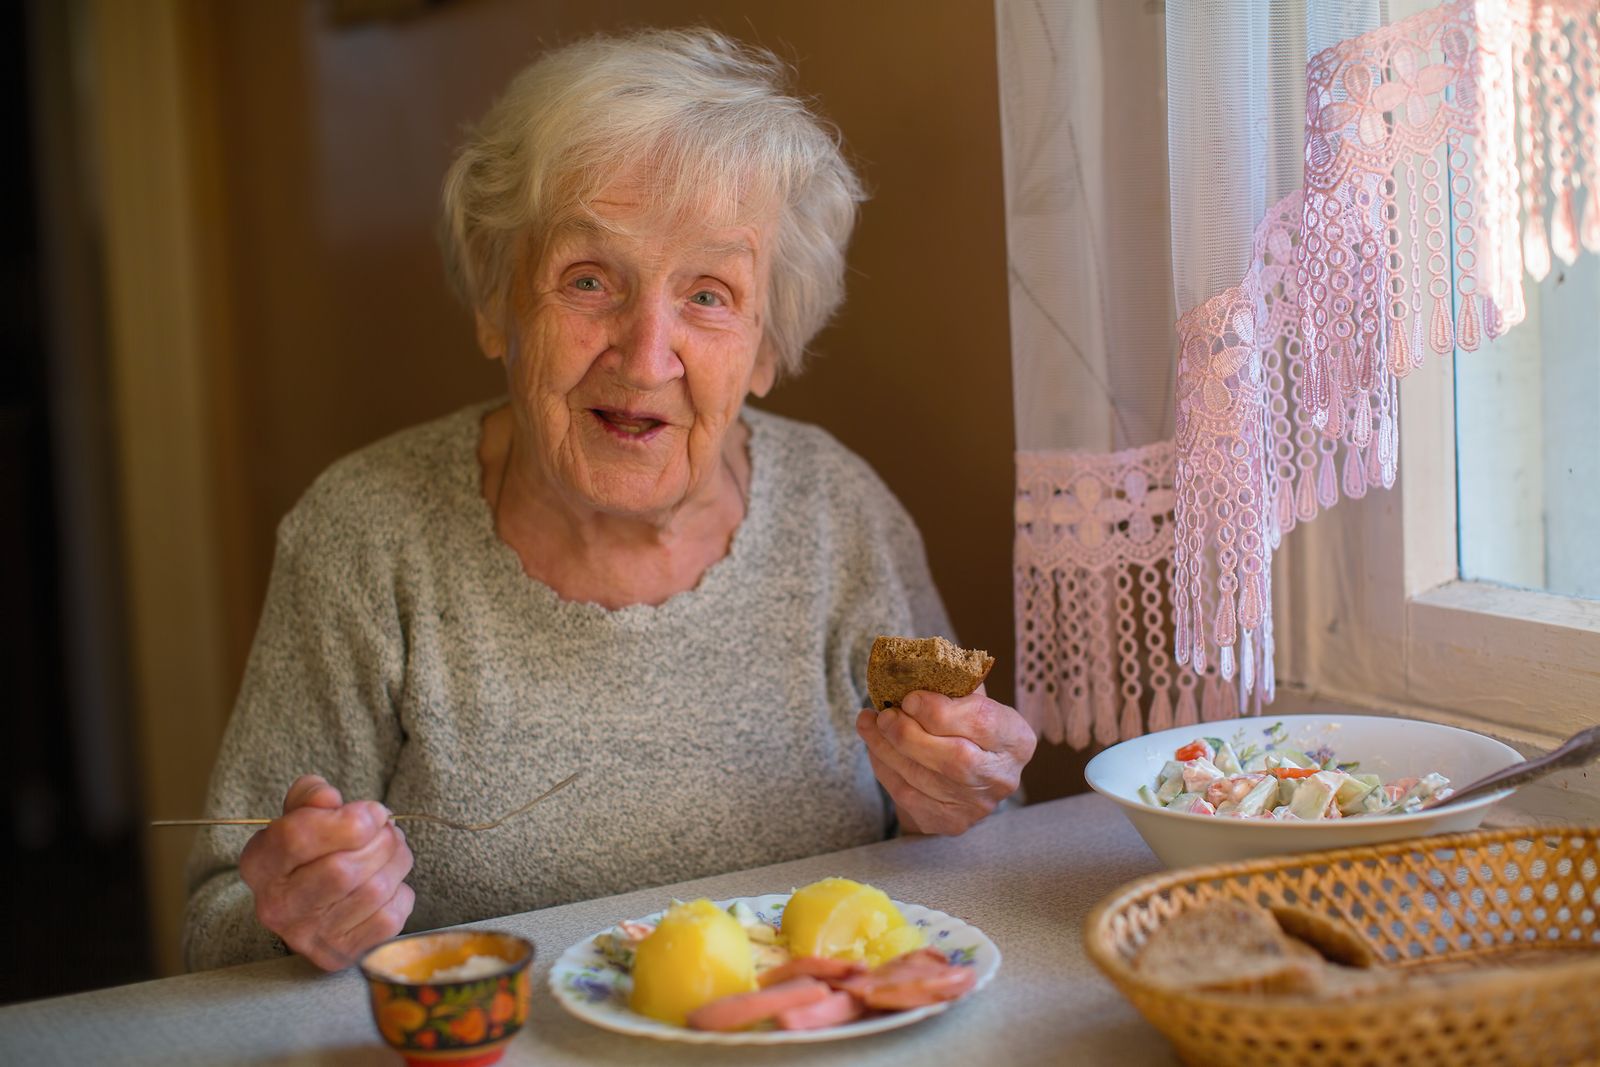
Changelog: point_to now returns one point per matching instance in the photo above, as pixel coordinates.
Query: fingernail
(912, 702)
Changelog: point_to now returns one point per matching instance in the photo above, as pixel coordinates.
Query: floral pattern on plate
(596, 990)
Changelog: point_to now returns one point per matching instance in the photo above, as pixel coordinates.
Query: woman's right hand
(329, 877)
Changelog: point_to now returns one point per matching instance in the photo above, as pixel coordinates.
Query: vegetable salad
(1270, 780)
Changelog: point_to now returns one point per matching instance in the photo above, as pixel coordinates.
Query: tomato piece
(1292, 772)
(1196, 749)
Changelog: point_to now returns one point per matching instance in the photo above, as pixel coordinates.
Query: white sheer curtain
(1084, 127)
(1340, 195)
(1086, 181)
(1235, 123)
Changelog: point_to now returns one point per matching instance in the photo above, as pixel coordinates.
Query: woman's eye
(707, 299)
(587, 283)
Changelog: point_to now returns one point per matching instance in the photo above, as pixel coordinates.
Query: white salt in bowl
(1388, 747)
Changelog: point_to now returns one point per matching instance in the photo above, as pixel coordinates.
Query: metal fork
(412, 816)
(1577, 750)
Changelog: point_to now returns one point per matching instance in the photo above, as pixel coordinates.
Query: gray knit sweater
(405, 656)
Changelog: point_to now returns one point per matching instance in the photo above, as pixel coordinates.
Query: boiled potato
(846, 920)
(698, 953)
(891, 943)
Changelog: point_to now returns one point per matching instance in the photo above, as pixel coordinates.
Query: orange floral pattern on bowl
(465, 1023)
(451, 1015)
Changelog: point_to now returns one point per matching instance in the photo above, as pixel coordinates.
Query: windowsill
(1514, 657)
(1530, 606)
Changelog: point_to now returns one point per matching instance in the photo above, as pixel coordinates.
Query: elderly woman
(621, 570)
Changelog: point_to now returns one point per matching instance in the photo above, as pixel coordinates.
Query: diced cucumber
(1170, 788)
(1351, 792)
(1312, 795)
(1293, 757)
(1424, 789)
(1259, 797)
(1149, 797)
(1191, 803)
(1168, 769)
(1227, 760)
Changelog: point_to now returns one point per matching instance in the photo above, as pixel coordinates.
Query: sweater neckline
(722, 575)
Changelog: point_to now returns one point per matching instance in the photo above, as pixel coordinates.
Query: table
(1026, 877)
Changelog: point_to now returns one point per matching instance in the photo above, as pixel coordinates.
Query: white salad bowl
(1391, 748)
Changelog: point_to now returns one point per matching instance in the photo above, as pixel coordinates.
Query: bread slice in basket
(1232, 946)
(901, 665)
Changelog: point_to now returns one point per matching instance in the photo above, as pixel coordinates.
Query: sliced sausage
(910, 981)
(746, 1009)
(919, 960)
(832, 1010)
(828, 970)
(915, 990)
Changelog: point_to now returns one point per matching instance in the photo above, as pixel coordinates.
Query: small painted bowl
(455, 997)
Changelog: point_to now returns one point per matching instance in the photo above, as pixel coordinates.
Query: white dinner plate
(596, 990)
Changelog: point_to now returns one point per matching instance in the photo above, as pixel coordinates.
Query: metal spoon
(1577, 750)
(470, 827)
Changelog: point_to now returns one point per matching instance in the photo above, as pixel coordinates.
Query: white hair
(705, 119)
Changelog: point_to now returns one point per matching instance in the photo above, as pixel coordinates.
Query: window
(1528, 442)
(1376, 613)
(1463, 594)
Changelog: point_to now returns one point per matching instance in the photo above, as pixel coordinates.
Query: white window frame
(1377, 616)
(1520, 657)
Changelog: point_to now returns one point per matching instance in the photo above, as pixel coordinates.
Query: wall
(324, 146)
(335, 141)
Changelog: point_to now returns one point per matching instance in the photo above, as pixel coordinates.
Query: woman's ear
(765, 374)
(491, 338)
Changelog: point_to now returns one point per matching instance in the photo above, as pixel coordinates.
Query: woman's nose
(647, 344)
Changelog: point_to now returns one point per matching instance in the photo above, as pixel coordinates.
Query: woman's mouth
(628, 425)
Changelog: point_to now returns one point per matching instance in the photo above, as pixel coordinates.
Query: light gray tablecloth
(1027, 878)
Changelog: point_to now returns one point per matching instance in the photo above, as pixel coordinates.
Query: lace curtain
(1344, 197)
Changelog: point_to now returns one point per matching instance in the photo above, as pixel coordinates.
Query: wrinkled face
(630, 349)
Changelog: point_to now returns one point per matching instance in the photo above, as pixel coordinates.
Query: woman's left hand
(946, 762)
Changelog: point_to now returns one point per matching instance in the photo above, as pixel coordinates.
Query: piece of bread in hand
(901, 665)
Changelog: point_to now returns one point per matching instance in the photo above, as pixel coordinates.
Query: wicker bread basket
(1454, 902)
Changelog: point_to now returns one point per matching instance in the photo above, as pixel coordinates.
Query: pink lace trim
(1093, 563)
(1287, 382)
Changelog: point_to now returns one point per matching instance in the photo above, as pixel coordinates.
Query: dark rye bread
(1232, 946)
(901, 665)
(1334, 940)
(1228, 946)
